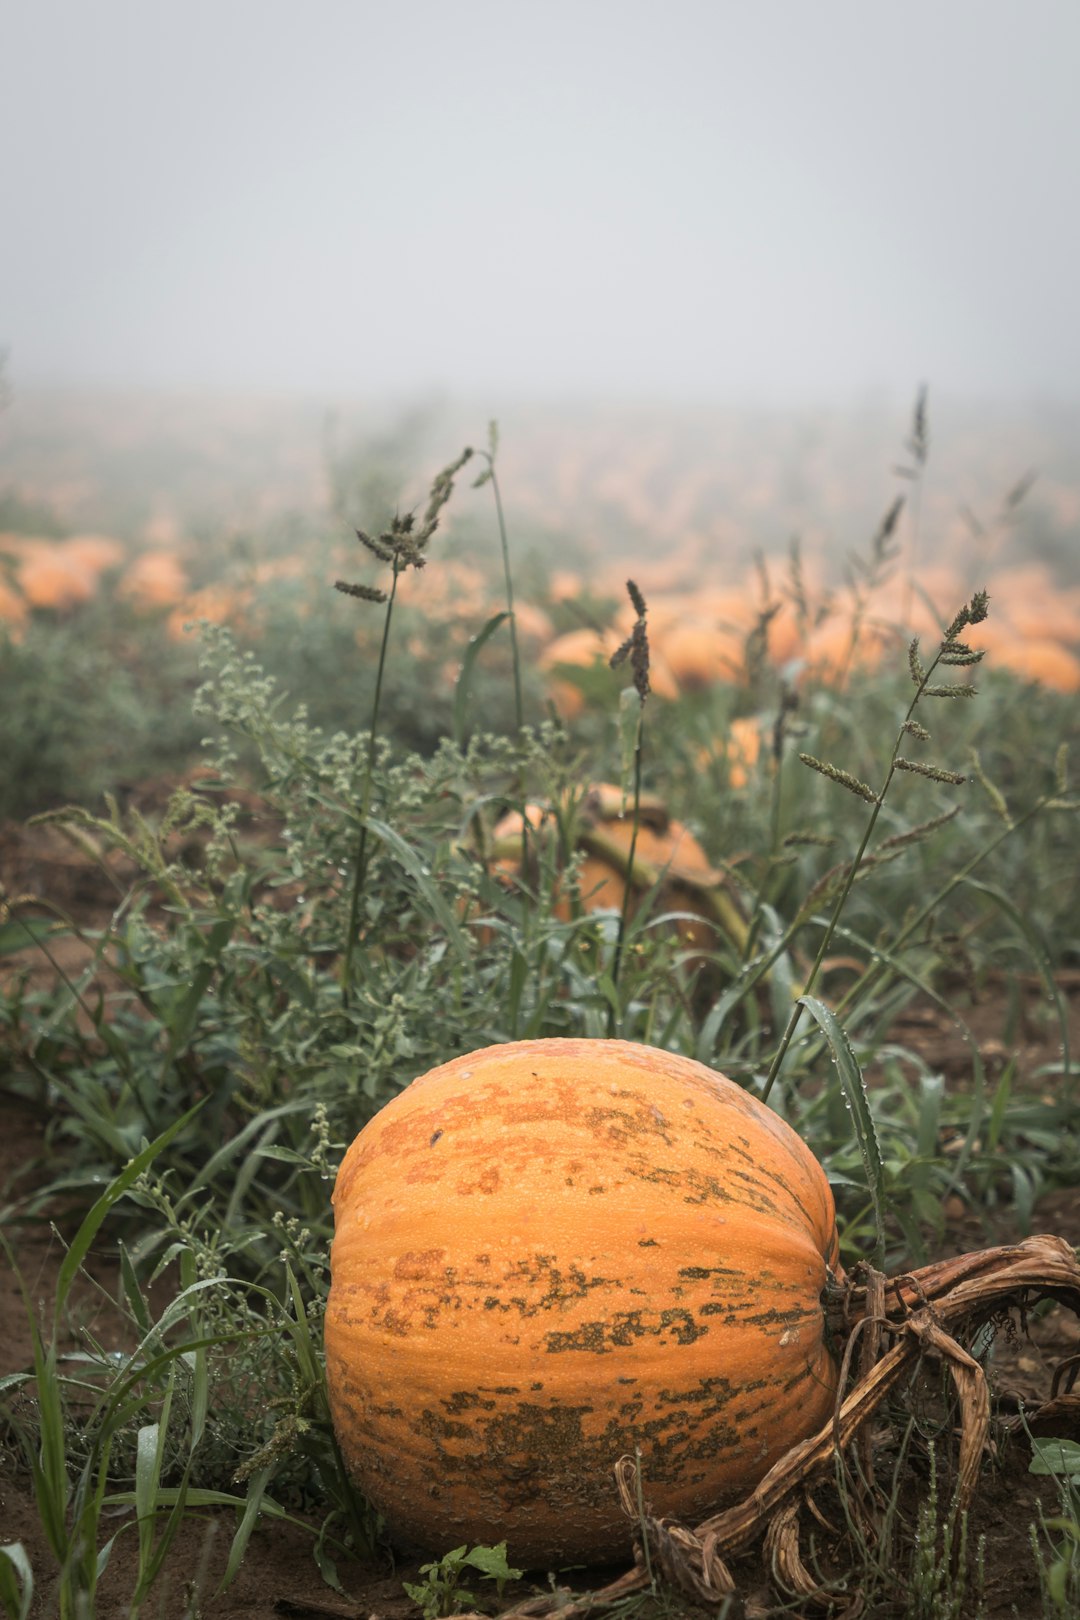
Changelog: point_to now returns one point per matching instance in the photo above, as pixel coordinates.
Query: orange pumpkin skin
(550, 1252)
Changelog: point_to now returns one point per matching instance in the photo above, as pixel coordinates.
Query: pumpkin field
(539, 1016)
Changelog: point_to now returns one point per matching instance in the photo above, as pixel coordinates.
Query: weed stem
(853, 868)
(360, 865)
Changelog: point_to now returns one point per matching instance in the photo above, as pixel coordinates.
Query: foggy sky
(773, 199)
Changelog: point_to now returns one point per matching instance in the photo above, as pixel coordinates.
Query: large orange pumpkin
(551, 1252)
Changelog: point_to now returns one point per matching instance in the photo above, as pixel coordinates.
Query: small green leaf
(181, 1022)
(491, 1561)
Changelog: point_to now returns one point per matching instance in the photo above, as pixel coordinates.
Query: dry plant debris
(891, 1325)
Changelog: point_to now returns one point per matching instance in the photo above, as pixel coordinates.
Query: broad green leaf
(1055, 1457)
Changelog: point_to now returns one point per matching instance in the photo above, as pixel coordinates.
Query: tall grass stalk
(777, 739)
(490, 476)
(359, 876)
(634, 649)
(403, 546)
(951, 652)
(918, 447)
(1057, 799)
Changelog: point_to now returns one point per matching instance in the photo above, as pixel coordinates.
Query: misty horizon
(612, 202)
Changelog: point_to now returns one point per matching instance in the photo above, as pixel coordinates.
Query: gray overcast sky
(780, 199)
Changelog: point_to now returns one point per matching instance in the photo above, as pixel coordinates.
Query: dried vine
(889, 1326)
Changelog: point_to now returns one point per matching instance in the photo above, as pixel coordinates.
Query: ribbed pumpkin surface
(550, 1252)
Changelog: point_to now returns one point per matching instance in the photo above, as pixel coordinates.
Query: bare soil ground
(278, 1576)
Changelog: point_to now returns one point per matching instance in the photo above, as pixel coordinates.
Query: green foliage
(938, 1586)
(1056, 1542)
(16, 1581)
(322, 915)
(82, 710)
(440, 1592)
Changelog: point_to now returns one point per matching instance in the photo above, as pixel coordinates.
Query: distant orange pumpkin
(48, 577)
(1045, 661)
(155, 579)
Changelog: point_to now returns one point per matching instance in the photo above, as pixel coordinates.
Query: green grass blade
(252, 1509)
(149, 1452)
(84, 1237)
(237, 1144)
(48, 1462)
(132, 1292)
(858, 1103)
(464, 680)
(195, 1360)
(21, 932)
(16, 1581)
(977, 1103)
(201, 1497)
(410, 861)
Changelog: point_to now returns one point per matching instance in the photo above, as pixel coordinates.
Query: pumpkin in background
(48, 576)
(96, 552)
(583, 648)
(665, 849)
(586, 649)
(506, 865)
(155, 579)
(740, 749)
(551, 1252)
(700, 655)
(601, 826)
(836, 648)
(1042, 660)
